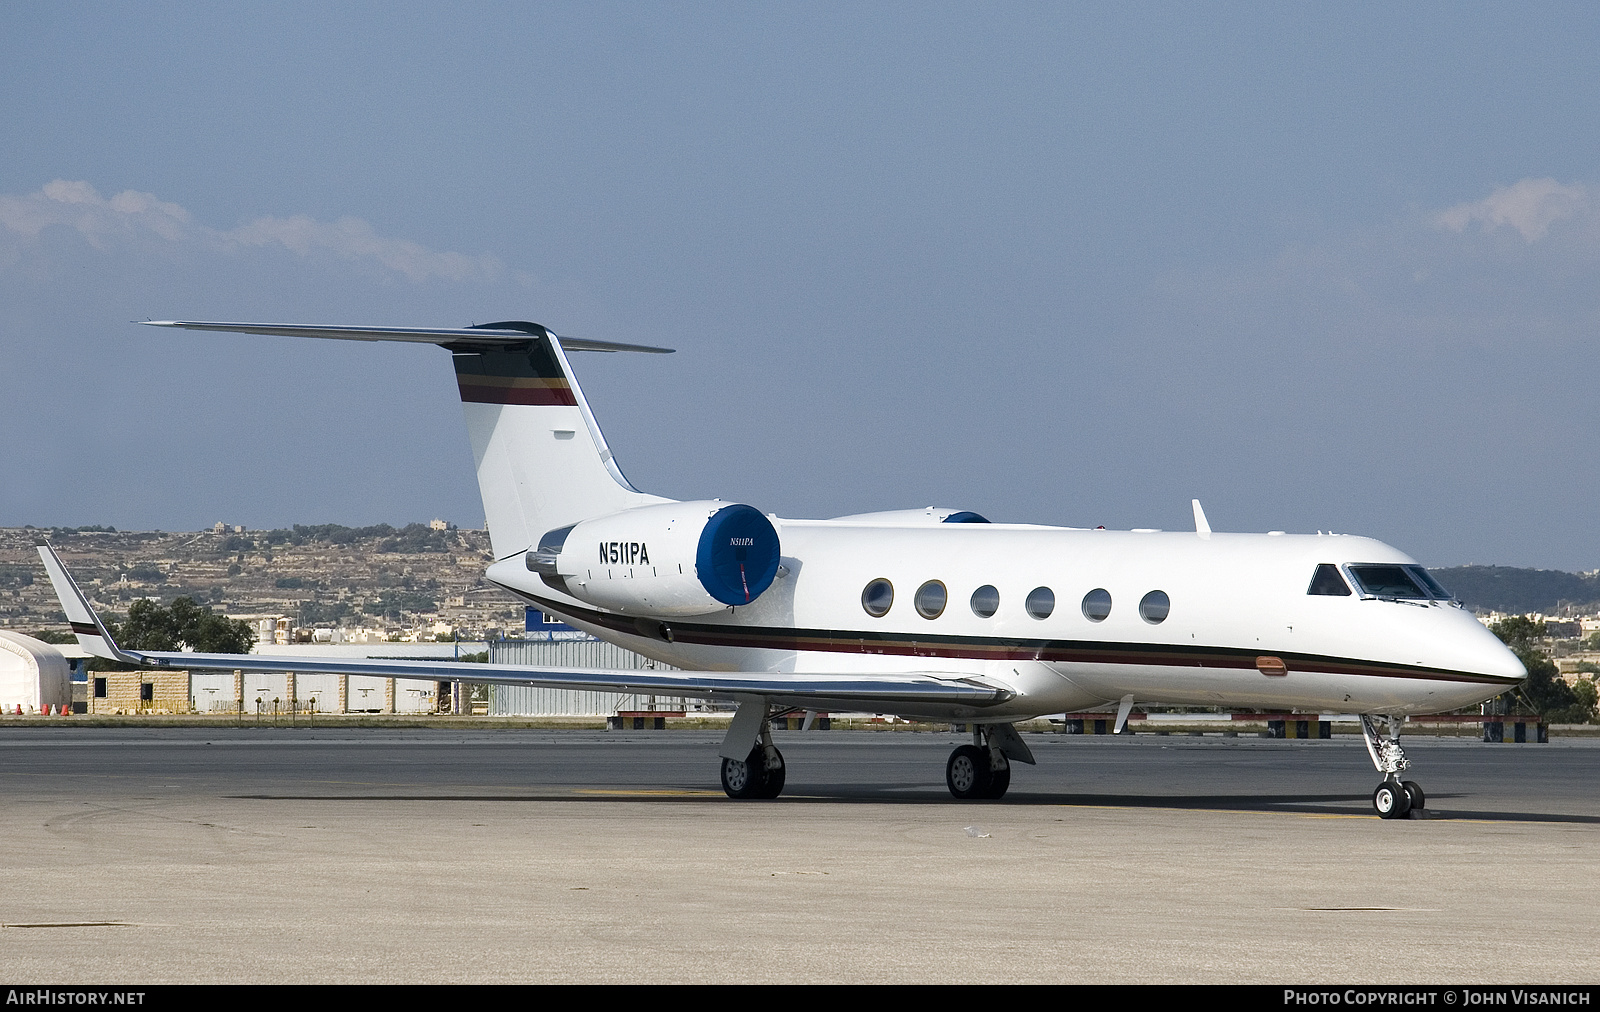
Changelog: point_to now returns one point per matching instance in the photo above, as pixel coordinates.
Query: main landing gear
(759, 774)
(982, 771)
(1394, 798)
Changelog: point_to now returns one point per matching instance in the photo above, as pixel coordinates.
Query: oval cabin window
(985, 601)
(878, 598)
(1153, 607)
(1041, 602)
(930, 599)
(1097, 604)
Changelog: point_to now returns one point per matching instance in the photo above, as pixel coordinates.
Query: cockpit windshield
(1427, 580)
(1404, 582)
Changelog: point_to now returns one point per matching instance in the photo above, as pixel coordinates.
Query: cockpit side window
(1387, 581)
(1326, 582)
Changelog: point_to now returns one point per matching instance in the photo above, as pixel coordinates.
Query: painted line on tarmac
(650, 793)
(1430, 817)
(1215, 811)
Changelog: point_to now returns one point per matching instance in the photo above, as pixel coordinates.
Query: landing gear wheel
(999, 781)
(744, 778)
(967, 773)
(774, 772)
(1391, 800)
(1419, 801)
(753, 776)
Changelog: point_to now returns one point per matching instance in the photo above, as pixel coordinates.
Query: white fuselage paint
(1234, 598)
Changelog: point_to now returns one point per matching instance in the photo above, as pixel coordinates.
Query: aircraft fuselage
(1056, 615)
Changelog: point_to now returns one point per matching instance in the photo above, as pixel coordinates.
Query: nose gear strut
(1394, 798)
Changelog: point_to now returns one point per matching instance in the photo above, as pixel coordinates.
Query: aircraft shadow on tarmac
(1332, 805)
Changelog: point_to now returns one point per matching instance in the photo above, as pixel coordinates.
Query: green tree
(149, 626)
(1584, 710)
(1519, 632)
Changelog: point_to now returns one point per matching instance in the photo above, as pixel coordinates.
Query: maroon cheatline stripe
(477, 394)
(979, 648)
(84, 628)
(1108, 653)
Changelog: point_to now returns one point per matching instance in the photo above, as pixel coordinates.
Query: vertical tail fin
(542, 462)
(541, 458)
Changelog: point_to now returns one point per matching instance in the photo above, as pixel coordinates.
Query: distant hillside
(321, 575)
(1508, 589)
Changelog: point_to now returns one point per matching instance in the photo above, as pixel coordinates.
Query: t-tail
(542, 461)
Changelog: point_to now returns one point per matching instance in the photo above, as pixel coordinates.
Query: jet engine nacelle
(671, 559)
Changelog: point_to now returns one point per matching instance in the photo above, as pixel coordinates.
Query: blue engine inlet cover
(738, 555)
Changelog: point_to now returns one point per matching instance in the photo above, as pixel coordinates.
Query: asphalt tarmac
(351, 855)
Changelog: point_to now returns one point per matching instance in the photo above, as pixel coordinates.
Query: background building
(33, 674)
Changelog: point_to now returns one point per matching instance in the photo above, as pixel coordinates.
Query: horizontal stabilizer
(487, 336)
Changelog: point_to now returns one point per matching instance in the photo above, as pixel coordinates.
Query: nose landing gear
(1394, 798)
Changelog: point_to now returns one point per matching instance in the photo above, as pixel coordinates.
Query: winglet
(1202, 526)
(86, 625)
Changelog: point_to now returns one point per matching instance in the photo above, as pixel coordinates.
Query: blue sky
(1321, 267)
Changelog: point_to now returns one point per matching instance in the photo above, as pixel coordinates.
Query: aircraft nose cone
(1492, 657)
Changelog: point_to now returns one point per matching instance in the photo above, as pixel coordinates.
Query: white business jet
(933, 614)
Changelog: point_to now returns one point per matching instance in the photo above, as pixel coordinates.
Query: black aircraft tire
(1419, 800)
(774, 775)
(999, 783)
(967, 773)
(744, 778)
(1391, 800)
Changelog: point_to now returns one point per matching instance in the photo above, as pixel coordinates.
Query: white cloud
(1434, 278)
(1530, 206)
(354, 239)
(131, 217)
(78, 206)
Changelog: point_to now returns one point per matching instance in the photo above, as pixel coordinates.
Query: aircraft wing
(876, 692)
